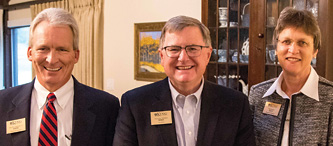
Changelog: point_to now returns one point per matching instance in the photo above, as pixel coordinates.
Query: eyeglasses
(288, 43)
(191, 50)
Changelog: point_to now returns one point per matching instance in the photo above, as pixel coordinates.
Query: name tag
(272, 108)
(14, 126)
(161, 117)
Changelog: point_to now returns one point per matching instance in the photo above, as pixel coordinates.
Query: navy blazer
(94, 115)
(225, 117)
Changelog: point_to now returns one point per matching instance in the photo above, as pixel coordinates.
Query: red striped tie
(48, 127)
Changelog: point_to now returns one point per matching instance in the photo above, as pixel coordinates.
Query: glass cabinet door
(241, 56)
(273, 9)
(228, 22)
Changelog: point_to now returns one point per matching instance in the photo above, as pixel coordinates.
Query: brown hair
(290, 17)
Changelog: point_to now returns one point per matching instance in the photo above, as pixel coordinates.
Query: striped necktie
(48, 127)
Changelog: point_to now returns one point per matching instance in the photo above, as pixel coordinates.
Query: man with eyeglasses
(184, 109)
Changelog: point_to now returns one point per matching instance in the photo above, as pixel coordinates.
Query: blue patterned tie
(48, 127)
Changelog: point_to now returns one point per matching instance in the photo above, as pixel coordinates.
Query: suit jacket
(225, 117)
(94, 115)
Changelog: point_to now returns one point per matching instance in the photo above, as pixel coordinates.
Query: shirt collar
(175, 93)
(42, 93)
(310, 88)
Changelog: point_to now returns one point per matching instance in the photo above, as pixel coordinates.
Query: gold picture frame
(147, 65)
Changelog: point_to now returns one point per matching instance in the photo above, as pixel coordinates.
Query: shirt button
(188, 112)
(190, 133)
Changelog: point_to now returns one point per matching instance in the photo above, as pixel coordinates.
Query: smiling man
(55, 109)
(184, 109)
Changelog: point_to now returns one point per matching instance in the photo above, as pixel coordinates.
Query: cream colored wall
(119, 19)
(19, 17)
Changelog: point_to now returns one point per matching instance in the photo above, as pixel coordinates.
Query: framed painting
(147, 62)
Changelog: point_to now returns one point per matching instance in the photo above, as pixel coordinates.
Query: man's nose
(52, 57)
(183, 55)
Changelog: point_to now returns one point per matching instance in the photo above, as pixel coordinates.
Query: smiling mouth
(293, 59)
(53, 69)
(184, 67)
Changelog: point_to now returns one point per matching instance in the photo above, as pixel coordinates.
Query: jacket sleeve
(245, 133)
(112, 121)
(330, 128)
(126, 134)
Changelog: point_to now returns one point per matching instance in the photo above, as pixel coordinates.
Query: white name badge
(272, 108)
(14, 126)
(161, 117)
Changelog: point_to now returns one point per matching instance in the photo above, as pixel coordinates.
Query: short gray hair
(56, 16)
(178, 23)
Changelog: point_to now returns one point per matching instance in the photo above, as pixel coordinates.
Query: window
(21, 66)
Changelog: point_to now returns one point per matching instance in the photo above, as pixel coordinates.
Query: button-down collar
(175, 93)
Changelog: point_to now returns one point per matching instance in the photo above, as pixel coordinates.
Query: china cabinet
(242, 31)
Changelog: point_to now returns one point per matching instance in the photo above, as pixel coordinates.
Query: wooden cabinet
(242, 31)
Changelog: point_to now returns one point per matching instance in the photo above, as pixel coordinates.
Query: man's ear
(209, 53)
(77, 55)
(160, 51)
(29, 53)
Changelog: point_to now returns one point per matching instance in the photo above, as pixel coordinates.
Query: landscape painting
(147, 60)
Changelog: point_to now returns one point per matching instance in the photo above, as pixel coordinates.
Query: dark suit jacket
(225, 117)
(94, 115)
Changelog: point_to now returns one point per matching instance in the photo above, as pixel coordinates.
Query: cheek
(36, 59)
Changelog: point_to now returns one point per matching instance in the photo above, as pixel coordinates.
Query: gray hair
(178, 23)
(56, 16)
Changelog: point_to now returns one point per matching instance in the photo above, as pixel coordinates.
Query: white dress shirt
(186, 114)
(63, 105)
(310, 89)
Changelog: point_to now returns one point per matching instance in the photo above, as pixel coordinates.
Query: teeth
(52, 69)
(184, 67)
(293, 59)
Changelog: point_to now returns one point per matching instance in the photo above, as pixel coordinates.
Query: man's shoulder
(10, 92)
(149, 88)
(93, 93)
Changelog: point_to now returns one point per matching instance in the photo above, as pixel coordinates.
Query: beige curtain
(89, 16)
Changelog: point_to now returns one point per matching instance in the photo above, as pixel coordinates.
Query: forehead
(188, 34)
(45, 30)
(295, 33)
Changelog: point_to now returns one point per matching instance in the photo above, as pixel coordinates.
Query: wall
(19, 17)
(119, 19)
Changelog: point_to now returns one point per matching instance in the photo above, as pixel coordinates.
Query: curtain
(90, 19)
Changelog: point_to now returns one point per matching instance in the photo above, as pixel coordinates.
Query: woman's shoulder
(325, 82)
(263, 85)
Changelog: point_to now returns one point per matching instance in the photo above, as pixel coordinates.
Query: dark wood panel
(257, 37)
(329, 57)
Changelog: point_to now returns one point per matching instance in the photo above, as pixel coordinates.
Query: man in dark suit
(184, 109)
(55, 109)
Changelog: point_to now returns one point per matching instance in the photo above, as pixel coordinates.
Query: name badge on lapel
(272, 108)
(14, 126)
(161, 117)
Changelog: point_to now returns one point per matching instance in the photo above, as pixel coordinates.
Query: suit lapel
(83, 119)
(208, 116)
(164, 103)
(21, 109)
